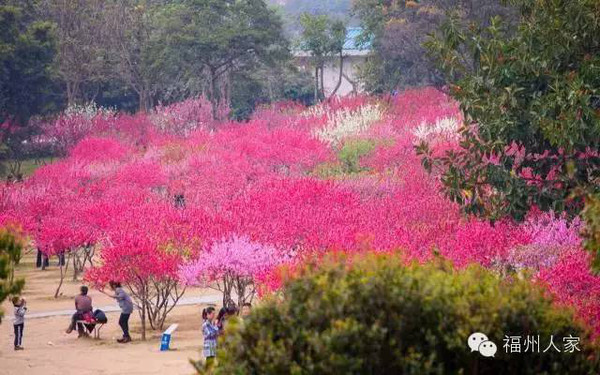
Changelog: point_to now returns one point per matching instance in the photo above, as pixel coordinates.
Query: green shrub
(351, 153)
(348, 162)
(10, 256)
(591, 214)
(329, 170)
(380, 317)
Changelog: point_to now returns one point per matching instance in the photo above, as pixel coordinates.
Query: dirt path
(49, 350)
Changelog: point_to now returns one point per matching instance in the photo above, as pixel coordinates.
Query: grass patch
(348, 159)
(26, 168)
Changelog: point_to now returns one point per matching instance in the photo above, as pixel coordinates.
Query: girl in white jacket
(19, 322)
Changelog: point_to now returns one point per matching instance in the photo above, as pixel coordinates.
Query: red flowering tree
(148, 272)
(145, 255)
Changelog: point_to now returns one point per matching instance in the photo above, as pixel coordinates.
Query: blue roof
(352, 40)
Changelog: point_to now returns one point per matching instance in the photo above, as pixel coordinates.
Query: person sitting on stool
(83, 305)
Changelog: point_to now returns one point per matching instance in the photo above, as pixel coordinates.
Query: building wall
(332, 71)
(331, 74)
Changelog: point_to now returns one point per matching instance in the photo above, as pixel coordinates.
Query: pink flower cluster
(184, 117)
(77, 123)
(238, 256)
(196, 202)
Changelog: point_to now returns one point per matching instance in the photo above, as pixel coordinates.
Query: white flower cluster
(88, 111)
(443, 129)
(314, 111)
(182, 118)
(345, 123)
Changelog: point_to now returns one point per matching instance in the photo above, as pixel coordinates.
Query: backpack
(100, 316)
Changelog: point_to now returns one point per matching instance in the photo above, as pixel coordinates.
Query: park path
(216, 298)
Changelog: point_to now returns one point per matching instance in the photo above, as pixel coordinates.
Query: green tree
(215, 39)
(396, 30)
(10, 255)
(531, 104)
(136, 48)
(591, 215)
(82, 34)
(27, 51)
(378, 316)
(262, 84)
(323, 38)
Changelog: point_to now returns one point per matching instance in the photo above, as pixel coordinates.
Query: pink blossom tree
(233, 266)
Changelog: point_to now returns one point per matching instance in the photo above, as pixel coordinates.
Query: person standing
(210, 331)
(19, 322)
(224, 314)
(126, 306)
(246, 310)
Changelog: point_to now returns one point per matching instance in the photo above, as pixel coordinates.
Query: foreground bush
(10, 255)
(377, 316)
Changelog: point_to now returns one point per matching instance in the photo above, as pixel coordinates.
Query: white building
(354, 57)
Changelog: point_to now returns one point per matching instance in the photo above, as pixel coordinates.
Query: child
(210, 332)
(246, 310)
(19, 322)
(224, 314)
(220, 320)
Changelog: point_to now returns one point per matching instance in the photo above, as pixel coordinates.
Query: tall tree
(531, 105)
(216, 38)
(263, 83)
(135, 45)
(292, 11)
(323, 37)
(82, 31)
(27, 51)
(397, 29)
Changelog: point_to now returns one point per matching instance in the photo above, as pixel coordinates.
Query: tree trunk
(72, 93)
(352, 82)
(322, 81)
(226, 95)
(144, 102)
(61, 259)
(316, 84)
(339, 82)
(270, 87)
(63, 273)
(94, 95)
(143, 298)
(214, 100)
(143, 317)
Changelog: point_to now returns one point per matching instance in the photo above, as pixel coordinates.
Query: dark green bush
(380, 317)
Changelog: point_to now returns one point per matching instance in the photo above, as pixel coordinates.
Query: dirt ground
(49, 350)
